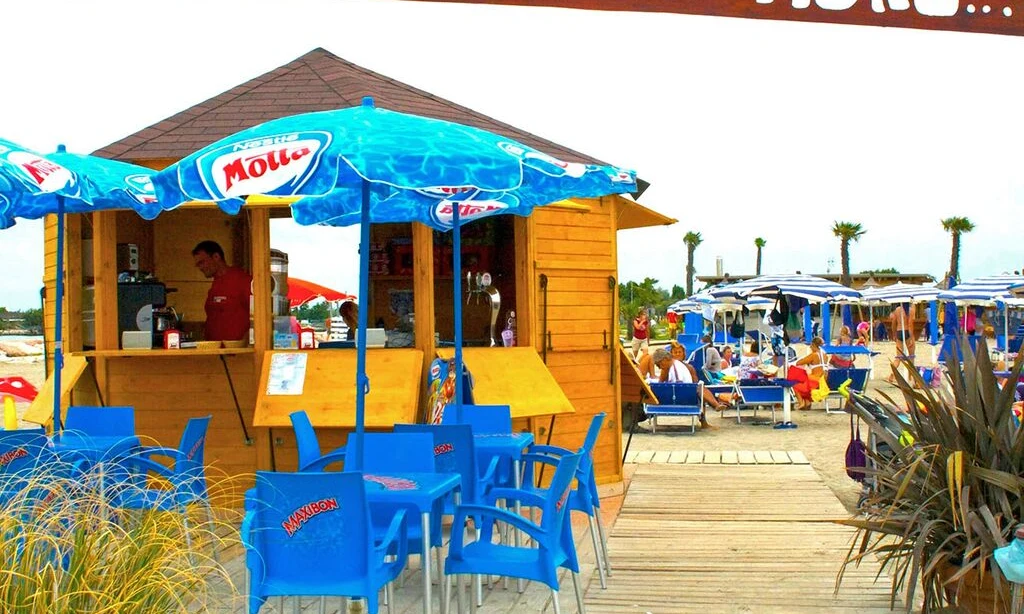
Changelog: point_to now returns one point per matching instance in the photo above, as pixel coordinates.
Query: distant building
(857, 280)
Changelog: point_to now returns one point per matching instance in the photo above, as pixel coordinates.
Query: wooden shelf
(161, 353)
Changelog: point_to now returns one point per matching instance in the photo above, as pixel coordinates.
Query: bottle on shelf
(508, 336)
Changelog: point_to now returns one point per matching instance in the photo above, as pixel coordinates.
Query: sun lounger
(676, 400)
(835, 377)
(757, 393)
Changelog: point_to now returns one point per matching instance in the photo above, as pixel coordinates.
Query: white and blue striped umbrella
(899, 293)
(985, 291)
(809, 287)
(703, 300)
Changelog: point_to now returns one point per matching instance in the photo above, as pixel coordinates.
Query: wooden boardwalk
(696, 537)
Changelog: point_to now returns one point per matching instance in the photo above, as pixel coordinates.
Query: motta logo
(277, 165)
(303, 514)
(10, 456)
(40, 173)
(468, 210)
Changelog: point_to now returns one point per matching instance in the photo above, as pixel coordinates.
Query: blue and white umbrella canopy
(899, 293)
(984, 291)
(809, 287)
(703, 300)
(418, 169)
(365, 165)
(32, 184)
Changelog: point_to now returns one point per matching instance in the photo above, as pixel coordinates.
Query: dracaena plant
(946, 481)
(66, 548)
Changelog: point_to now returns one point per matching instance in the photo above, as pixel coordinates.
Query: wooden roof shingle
(316, 81)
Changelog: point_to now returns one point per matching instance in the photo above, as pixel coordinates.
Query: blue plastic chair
(552, 548)
(114, 421)
(309, 534)
(186, 475)
(455, 452)
(398, 453)
(310, 458)
(584, 497)
(492, 420)
(20, 453)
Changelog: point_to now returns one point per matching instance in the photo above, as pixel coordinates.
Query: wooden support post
(259, 256)
(104, 264)
(423, 301)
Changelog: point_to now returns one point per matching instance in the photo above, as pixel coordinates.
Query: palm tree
(847, 232)
(759, 243)
(956, 226)
(692, 240)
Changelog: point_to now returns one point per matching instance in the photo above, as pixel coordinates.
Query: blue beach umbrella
(368, 165)
(808, 287)
(991, 291)
(33, 185)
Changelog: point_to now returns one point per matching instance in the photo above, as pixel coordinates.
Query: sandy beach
(822, 438)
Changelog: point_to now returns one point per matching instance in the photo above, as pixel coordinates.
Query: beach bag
(856, 453)
(737, 328)
(780, 313)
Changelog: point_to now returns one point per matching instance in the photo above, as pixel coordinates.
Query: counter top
(161, 353)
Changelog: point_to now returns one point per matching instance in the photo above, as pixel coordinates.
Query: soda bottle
(508, 337)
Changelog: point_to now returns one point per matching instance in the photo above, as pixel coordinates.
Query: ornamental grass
(66, 548)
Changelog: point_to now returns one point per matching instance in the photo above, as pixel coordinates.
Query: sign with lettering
(999, 17)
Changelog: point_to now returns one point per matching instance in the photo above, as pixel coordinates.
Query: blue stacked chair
(310, 458)
(310, 534)
(552, 547)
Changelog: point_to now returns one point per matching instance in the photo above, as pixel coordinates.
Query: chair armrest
(486, 480)
(550, 450)
(395, 535)
(463, 512)
(149, 465)
(246, 529)
(146, 452)
(531, 499)
(321, 463)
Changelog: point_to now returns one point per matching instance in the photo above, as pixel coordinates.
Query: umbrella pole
(354, 455)
(58, 314)
(457, 308)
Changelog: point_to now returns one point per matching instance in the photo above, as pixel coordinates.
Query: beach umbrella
(368, 165)
(900, 293)
(33, 185)
(808, 287)
(301, 292)
(991, 291)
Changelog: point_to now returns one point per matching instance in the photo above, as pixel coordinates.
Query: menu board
(287, 373)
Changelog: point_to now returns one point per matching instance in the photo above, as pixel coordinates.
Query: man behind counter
(227, 302)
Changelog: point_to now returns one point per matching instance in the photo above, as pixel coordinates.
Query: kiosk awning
(634, 215)
(631, 378)
(516, 377)
(328, 388)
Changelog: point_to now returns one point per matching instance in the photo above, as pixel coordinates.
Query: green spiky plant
(950, 491)
(65, 548)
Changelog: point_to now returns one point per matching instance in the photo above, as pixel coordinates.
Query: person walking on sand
(641, 328)
(901, 321)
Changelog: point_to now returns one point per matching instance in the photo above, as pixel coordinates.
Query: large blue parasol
(367, 165)
(32, 185)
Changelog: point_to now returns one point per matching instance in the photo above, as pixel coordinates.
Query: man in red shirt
(227, 302)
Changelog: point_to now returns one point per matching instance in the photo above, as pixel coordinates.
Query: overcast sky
(744, 128)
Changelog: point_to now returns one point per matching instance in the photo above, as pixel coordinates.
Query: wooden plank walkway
(716, 457)
(743, 538)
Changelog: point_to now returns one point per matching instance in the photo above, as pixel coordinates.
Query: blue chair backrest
(686, 394)
(1015, 343)
(454, 452)
(753, 391)
(305, 438)
(585, 472)
(191, 467)
(114, 421)
(664, 392)
(19, 454)
(312, 528)
(688, 341)
(555, 507)
(398, 452)
(698, 357)
(492, 419)
(835, 378)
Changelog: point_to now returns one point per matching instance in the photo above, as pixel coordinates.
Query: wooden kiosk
(557, 269)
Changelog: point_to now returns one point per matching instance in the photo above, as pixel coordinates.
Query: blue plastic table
(419, 491)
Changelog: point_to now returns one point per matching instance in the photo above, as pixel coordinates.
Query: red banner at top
(954, 15)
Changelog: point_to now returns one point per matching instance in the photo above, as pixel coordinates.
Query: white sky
(744, 128)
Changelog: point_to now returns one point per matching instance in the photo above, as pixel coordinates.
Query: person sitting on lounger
(808, 372)
(676, 371)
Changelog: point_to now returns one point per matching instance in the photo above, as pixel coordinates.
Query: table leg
(425, 557)
(787, 418)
